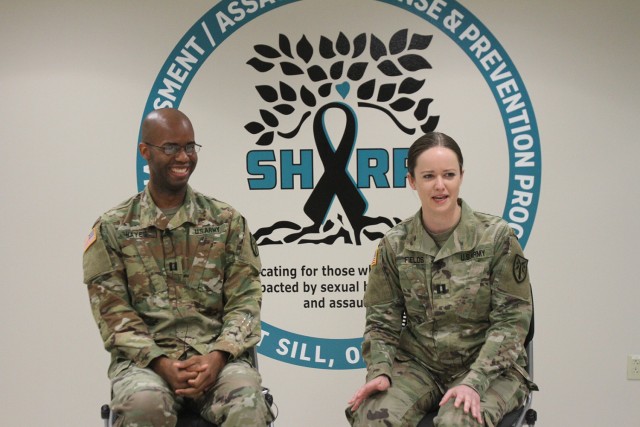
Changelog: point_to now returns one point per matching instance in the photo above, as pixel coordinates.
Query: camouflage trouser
(141, 398)
(414, 393)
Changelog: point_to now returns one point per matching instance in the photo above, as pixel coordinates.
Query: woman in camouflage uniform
(461, 279)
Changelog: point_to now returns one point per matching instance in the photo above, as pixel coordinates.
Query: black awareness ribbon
(335, 181)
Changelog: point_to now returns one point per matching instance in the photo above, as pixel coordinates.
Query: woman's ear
(412, 180)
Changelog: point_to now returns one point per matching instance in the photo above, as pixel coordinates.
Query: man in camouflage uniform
(173, 280)
(468, 305)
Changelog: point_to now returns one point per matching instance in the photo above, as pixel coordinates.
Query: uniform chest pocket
(207, 271)
(144, 276)
(470, 284)
(414, 285)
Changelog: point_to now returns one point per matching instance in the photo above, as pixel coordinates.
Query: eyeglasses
(171, 149)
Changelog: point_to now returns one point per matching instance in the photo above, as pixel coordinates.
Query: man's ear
(144, 151)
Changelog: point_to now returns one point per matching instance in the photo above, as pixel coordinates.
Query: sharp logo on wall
(345, 63)
(321, 114)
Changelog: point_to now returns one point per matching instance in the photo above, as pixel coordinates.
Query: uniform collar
(464, 238)
(151, 215)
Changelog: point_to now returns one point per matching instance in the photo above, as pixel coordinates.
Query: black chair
(525, 415)
(187, 417)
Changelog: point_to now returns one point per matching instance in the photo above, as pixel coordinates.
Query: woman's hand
(376, 385)
(467, 397)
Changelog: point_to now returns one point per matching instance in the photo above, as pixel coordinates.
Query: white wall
(74, 77)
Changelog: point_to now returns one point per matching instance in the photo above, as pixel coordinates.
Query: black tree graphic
(340, 65)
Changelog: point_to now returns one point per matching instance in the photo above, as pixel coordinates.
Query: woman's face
(437, 179)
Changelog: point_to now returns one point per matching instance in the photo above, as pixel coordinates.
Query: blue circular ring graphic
(484, 50)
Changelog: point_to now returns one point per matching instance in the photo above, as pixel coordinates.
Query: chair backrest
(532, 325)
(528, 342)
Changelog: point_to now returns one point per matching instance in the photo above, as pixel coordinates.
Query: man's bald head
(168, 173)
(161, 120)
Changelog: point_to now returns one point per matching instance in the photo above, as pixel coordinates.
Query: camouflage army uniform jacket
(468, 304)
(175, 288)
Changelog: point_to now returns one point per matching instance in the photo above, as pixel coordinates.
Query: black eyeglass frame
(172, 149)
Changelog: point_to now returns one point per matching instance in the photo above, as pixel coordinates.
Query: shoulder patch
(520, 266)
(254, 246)
(374, 261)
(91, 238)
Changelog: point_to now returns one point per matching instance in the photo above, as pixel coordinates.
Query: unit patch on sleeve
(254, 246)
(520, 266)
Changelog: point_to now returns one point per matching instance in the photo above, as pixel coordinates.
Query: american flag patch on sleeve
(90, 239)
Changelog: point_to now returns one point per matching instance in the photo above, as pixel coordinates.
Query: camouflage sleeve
(384, 307)
(511, 315)
(242, 291)
(123, 331)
